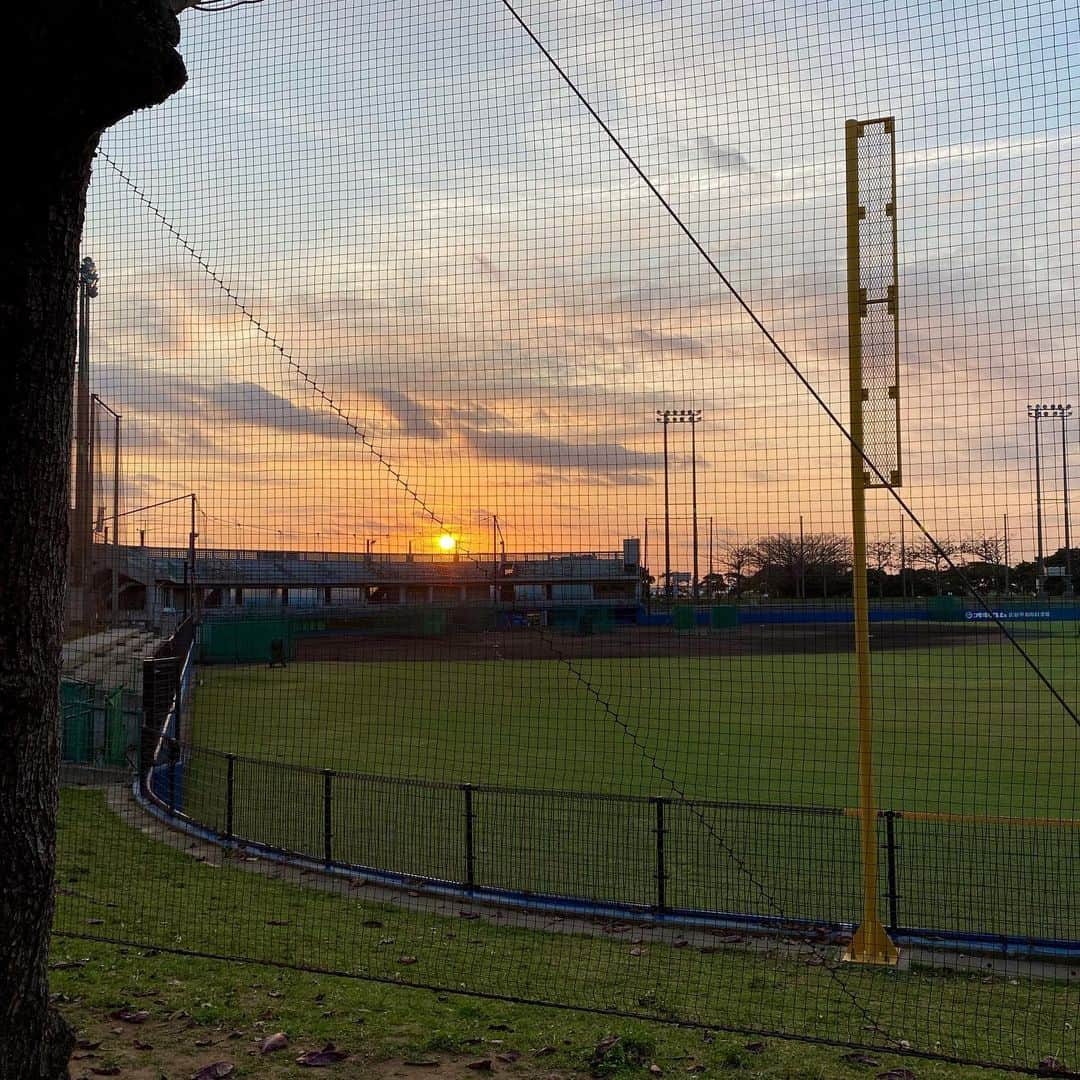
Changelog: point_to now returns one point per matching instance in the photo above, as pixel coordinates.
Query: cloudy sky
(376, 266)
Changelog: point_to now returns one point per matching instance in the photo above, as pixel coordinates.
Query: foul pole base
(872, 945)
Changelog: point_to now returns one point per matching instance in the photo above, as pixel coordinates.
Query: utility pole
(711, 568)
(192, 535)
(114, 594)
(801, 589)
(1005, 524)
(903, 560)
(645, 560)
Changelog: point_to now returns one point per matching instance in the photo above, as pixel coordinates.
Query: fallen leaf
(603, 1046)
(1051, 1066)
(406, 960)
(469, 914)
(544, 1051)
(857, 1058)
(637, 950)
(755, 1047)
(278, 1041)
(509, 1057)
(130, 1016)
(422, 1064)
(896, 1074)
(277, 922)
(87, 1044)
(140, 1045)
(483, 1065)
(215, 1071)
(656, 1070)
(372, 924)
(316, 1059)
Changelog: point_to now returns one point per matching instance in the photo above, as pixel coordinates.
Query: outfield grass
(118, 883)
(963, 730)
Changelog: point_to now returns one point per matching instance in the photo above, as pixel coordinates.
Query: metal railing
(999, 884)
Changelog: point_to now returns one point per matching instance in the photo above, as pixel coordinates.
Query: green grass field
(963, 730)
(116, 883)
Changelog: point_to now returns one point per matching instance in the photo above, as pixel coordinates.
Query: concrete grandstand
(153, 584)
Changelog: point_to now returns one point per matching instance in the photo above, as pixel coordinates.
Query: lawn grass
(121, 883)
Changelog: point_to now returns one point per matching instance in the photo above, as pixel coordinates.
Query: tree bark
(83, 65)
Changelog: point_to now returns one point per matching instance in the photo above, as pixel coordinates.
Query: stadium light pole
(693, 418)
(1037, 412)
(84, 511)
(1065, 413)
(663, 416)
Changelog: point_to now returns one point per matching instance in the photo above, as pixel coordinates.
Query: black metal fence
(998, 882)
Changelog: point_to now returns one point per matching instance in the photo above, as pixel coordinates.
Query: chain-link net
(470, 603)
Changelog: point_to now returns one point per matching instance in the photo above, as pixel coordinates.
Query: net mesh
(422, 652)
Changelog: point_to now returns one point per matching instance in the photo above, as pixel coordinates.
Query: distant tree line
(818, 566)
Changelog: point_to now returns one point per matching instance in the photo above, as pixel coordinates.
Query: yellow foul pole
(871, 944)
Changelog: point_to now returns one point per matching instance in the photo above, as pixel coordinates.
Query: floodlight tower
(1066, 412)
(82, 526)
(693, 418)
(1062, 412)
(663, 416)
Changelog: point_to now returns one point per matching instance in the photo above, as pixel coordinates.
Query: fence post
(890, 869)
(470, 850)
(327, 816)
(172, 780)
(229, 778)
(658, 802)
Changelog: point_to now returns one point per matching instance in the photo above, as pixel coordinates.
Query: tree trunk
(84, 64)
